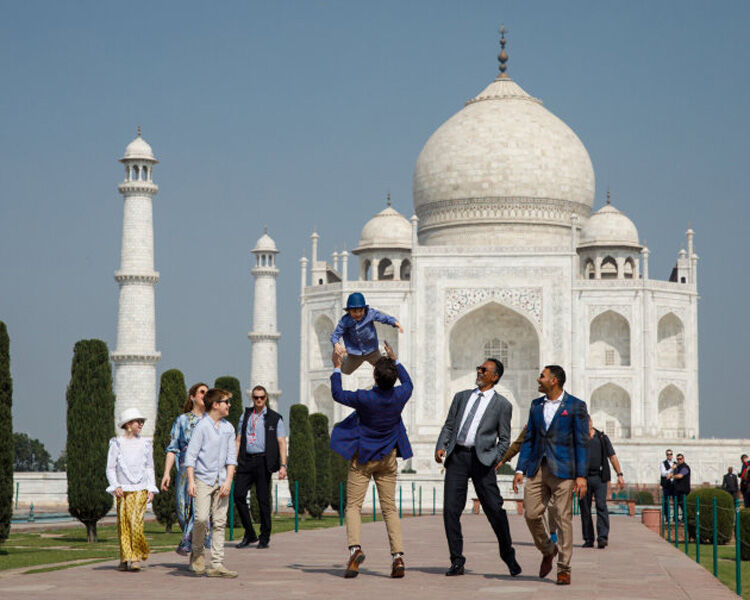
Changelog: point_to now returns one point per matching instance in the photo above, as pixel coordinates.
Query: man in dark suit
(681, 476)
(474, 438)
(730, 483)
(554, 457)
(371, 438)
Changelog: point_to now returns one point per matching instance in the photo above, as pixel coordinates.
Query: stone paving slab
(637, 565)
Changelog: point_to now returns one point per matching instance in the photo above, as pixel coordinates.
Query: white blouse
(130, 465)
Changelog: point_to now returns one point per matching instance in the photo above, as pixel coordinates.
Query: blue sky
(302, 114)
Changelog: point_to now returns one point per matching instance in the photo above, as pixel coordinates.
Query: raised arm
(381, 317)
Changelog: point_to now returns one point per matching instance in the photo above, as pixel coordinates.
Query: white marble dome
(387, 229)
(609, 227)
(265, 243)
(139, 149)
(502, 159)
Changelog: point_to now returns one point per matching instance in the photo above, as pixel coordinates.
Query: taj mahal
(504, 256)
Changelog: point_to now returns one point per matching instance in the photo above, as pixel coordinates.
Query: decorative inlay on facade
(135, 359)
(257, 337)
(622, 309)
(498, 210)
(135, 187)
(662, 310)
(149, 278)
(458, 300)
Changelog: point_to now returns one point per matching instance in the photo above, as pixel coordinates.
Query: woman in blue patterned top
(182, 431)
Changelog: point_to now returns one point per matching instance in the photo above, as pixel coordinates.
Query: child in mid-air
(357, 328)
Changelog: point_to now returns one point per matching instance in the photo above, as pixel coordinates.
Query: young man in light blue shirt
(210, 460)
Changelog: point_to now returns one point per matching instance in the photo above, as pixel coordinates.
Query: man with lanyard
(600, 449)
(261, 450)
(667, 483)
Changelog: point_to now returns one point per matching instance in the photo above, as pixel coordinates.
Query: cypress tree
(6, 435)
(322, 451)
(301, 457)
(339, 474)
(172, 394)
(232, 385)
(91, 405)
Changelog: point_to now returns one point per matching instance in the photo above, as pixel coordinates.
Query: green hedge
(339, 474)
(6, 435)
(644, 497)
(745, 533)
(301, 456)
(724, 515)
(321, 447)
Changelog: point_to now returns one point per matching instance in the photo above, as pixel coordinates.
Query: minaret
(264, 364)
(136, 356)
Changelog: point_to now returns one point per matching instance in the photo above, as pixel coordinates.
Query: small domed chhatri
(387, 229)
(608, 226)
(502, 160)
(265, 243)
(139, 149)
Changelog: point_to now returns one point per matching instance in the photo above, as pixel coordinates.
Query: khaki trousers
(544, 490)
(353, 361)
(385, 473)
(210, 510)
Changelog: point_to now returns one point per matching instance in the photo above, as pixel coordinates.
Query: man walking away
(600, 449)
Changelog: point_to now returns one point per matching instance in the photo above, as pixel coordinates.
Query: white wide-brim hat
(129, 414)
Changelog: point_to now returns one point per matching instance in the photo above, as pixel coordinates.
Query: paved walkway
(637, 565)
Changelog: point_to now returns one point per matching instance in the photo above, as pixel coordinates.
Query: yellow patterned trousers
(131, 509)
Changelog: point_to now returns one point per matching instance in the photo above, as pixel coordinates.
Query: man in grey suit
(472, 442)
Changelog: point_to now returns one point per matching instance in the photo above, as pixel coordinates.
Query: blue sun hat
(355, 300)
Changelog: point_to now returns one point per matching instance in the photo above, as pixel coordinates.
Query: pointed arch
(670, 344)
(324, 402)
(609, 340)
(385, 269)
(405, 270)
(589, 272)
(628, 269)
(609, 268)
(321, 347)
(609, 408)
(672, 412)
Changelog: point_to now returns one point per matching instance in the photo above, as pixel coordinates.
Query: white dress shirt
(130, 465)
(550, 408)
(664, 471)
(472, 433)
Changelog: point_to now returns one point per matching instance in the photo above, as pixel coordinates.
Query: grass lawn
(62, 545)
(725, 565)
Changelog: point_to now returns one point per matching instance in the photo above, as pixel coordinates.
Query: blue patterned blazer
(564, 444)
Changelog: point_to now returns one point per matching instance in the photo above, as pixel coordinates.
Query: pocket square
(564, 413)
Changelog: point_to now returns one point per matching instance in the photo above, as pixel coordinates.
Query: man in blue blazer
(554, 457)
(371, 438)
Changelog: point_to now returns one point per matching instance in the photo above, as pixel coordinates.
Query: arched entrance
(498, 329)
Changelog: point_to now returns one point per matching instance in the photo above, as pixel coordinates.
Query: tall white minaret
(264, 367)
(135, 357)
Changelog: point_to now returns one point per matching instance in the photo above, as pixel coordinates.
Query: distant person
(681, 476)
(554, 457)
(745, 480)
(666, 481)
(210, 461)
(730, 483)
(474, 438)
(261, 451)
(371, 439)
(600, 449)
(179, 438)
(357, 330)
(130, 473)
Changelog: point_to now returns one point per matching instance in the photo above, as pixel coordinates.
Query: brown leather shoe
(546, 565)
(352, 567)
(563, 578)
(398, 568)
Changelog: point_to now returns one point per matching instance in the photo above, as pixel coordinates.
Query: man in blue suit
(371, 438)
(554, 457)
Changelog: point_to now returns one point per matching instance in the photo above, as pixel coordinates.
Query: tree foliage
(301, 456)
(6, 435)
(90, 420)
(30, 454)
(339, 475)
(321, 447)
(232, 385)
(172, 394)
(61, 464)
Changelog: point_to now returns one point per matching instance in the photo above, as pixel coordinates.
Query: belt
(461, 448)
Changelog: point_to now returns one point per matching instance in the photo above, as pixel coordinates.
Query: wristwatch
(282, 466)
(619, 474)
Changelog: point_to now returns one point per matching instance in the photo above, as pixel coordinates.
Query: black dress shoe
(514, 568)
(602, 544)
(587, 545)
(456, 569)
(246, 541)
(262, 545)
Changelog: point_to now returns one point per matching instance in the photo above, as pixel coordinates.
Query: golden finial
(503, 56)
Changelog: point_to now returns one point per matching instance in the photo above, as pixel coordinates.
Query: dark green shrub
(301, 456)
(506, 469)
(232, 385)
(744, 533)
(172, 394)
(6, 435)
(339, 475)
(321, 447)
(643, 497)
(91, 423)
(724, 515)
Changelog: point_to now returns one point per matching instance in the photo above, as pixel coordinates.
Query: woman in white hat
(130, 472)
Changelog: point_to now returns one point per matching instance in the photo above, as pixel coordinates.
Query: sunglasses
(481, 369)
(259, 397)
(227, 400)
